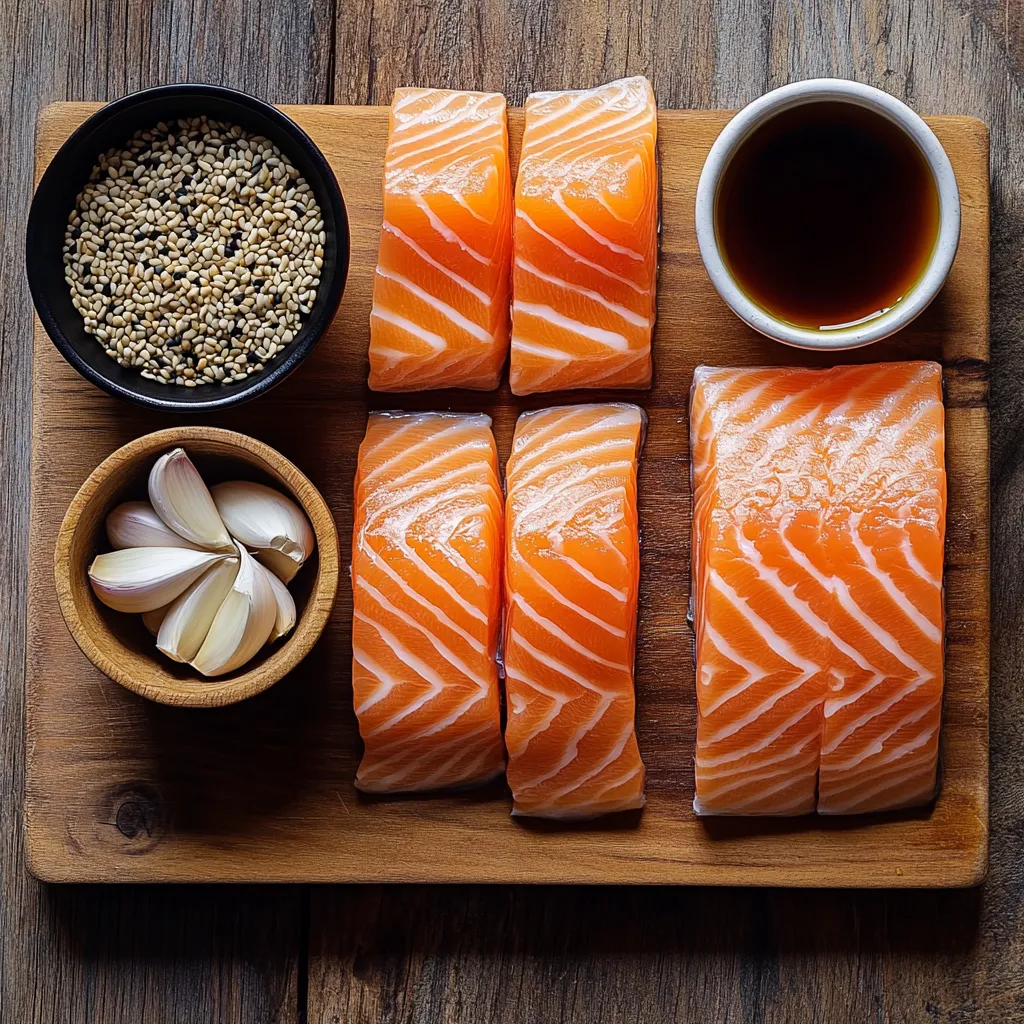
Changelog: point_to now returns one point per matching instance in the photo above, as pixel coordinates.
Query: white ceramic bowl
(752, 117)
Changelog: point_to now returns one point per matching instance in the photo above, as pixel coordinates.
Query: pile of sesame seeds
(194, 252)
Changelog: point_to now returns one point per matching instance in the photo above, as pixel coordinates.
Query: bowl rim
(242, 684)
(739, 129)
(316, 327)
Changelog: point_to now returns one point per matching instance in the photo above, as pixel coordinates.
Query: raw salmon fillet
(571, 574)
(818, 532)
(440, 314)
(426, 591)
(586, 240)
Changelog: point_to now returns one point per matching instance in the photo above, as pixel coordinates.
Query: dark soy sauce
(827, 215)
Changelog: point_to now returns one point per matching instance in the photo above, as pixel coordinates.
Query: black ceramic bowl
(68, 172)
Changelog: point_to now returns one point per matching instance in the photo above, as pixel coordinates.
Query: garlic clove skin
(243, 622)
(144, 579)
(188, 620)
(267, 520)
(151, 620)
(135, 524)
(184, 503)
(281, 566)
(286, 613)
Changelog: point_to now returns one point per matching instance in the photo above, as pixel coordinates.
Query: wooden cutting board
(120, 789)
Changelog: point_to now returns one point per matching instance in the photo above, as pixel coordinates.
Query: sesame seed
(190, 249)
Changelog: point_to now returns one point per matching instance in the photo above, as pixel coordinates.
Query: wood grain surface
(307, 822)
(484, 953)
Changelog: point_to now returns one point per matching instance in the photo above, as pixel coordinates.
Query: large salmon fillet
(571, 576)
(818, 532)
(586, 240)
(440, 315)
(426, 592)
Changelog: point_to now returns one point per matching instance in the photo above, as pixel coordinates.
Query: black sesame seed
(178, 276)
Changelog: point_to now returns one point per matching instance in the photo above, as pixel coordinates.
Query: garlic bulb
(243, 622)
(183, 502)
(135, 524)
(266, 520)
(189, 618)
(286, 615)
(143, 579)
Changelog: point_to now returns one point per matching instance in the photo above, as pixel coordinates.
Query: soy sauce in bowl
(827, 215)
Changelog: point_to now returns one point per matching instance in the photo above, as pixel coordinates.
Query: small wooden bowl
(118, 644)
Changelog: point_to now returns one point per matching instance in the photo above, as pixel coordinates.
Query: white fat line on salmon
(456, 424)
(552, 105)
(434, 341)
(387, 682)
(434, 682)
(482, 296)
(543, 498)
(447, 454)
(556, 631)
(442, 649)
(519, 704)
(572, 254)
(374, 776)
(553, 592)
(926, 773)
(446, 232)
(804, 781)
(914, 564)
(620, 311)
(399, 172)
(435, 578)
(455, 771)
(441, 130)
(782, 648)
(884, 638)
(754, 671)
(461, 200)
(573, 458)
(612, 339)
(622, 250)
(801, 767)
(571, 751)
(614, 364)
(450, 313)
(620, 780)
(797, 604)
(526, 445)
(537, 147)
(631, 132)
(919, 752)
(413, 595)
(428, 495)
(411, 96)
(877, 744)
(871, 714)
(535, 455)
(554, 664)
(613, 756)
(443, 103)
(706, 765)
(397, 748)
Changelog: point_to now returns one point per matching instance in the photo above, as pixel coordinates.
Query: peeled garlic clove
(281, 566)
(151, 620)
(183, 502)
(265, 519)
(242, 623)
(144, 579)
(135, 524)
(286, 614)
(188, 620)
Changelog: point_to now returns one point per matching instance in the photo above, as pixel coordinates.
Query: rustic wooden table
(494, 954)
